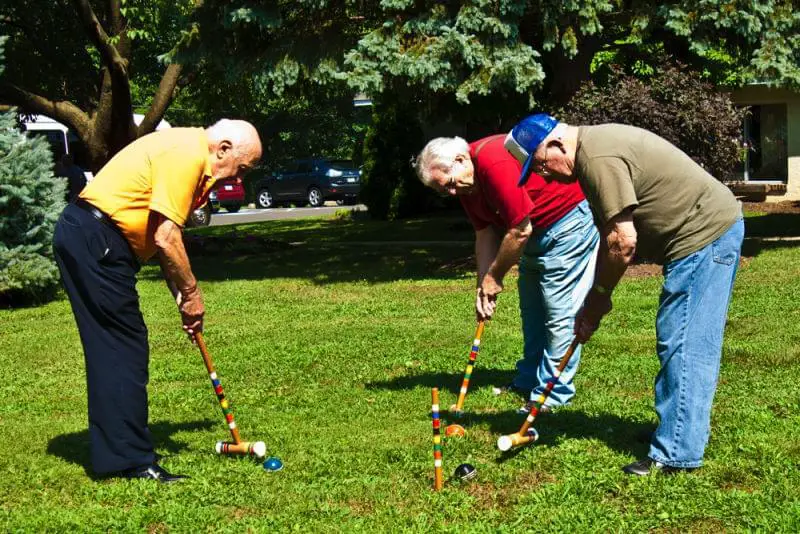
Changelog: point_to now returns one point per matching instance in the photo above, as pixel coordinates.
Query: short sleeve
(608, 184)
(511, 203)
(175, 174)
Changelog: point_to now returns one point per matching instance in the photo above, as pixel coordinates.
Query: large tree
(473, 67)
(87, 63)
(469, 48)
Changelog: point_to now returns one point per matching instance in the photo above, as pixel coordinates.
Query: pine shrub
(390, 186)
(31, 199)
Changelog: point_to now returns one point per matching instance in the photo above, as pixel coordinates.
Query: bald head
(234, 148)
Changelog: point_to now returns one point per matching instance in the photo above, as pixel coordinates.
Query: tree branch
(167, 89)
(111, 57)
(63, 111)
(117, 20)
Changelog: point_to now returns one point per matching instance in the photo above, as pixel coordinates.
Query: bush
(674, 103)
(31, 199)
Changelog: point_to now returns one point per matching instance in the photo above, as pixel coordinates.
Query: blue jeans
(691, 320)
(555, 274)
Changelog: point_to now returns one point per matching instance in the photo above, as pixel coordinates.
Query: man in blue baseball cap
(651, 200)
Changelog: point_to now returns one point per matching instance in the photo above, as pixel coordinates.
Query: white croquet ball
(260, 449)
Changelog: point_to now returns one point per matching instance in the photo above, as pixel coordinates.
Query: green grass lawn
(328, 343)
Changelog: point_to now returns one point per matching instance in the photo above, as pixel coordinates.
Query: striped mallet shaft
(526, 434)
(245, 448)
(537, 405)
(223, 402)
(473, 354)
(437, 441)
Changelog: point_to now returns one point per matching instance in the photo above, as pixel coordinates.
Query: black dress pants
(98, 270)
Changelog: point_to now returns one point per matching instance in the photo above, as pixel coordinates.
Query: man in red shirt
(545, 226)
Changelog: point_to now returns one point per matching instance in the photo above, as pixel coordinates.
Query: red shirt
(497, 201)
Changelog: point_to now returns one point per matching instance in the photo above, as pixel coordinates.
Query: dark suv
(312, 182)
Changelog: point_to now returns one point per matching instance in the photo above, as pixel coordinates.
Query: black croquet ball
(465, 472)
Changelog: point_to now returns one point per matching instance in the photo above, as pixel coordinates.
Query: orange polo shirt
(166, 171)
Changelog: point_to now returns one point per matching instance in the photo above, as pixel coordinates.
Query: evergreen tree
(390, 187)
(31, 199)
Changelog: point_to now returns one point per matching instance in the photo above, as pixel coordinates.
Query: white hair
(440, 153)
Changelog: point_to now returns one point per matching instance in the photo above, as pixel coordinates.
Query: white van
(64, 141)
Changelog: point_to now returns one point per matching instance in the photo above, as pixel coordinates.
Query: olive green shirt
(678, 208)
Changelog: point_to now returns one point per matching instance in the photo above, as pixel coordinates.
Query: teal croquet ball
(272, 464)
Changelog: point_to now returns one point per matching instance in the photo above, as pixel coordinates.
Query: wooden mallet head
(245, 448)
(505, 443)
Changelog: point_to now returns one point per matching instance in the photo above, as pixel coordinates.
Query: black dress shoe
(647, 466)
(152, 472)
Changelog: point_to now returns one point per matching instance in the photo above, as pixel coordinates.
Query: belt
(99, 215)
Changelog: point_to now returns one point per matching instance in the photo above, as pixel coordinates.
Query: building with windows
(770, 169)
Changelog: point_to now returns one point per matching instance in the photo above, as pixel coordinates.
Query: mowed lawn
(328, 336)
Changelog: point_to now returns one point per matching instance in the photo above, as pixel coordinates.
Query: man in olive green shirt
(652, 200)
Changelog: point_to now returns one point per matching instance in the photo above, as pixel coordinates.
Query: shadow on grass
(74, 447)
(446, 381)
(331, 264)
(773, 225)
(618, 433)
(330, 251)
(753, 245)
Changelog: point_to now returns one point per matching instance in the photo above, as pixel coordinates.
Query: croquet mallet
(438, 480)
(526, 433)
(248, 448)
(457, 409)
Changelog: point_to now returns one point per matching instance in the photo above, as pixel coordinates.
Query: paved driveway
(248, 215)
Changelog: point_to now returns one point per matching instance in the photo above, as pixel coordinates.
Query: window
(765, 141)
(55, 138)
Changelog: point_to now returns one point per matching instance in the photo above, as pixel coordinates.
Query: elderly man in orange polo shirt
(134, 209)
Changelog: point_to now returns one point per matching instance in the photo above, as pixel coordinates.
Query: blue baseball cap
(525, 137)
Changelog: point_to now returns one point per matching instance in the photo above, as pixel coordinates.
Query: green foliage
(389, 185)
(676, 104)
(476, 48)
(763, 36)
(328, 348)
(31, 199)
(47, 38)
(473, 50)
